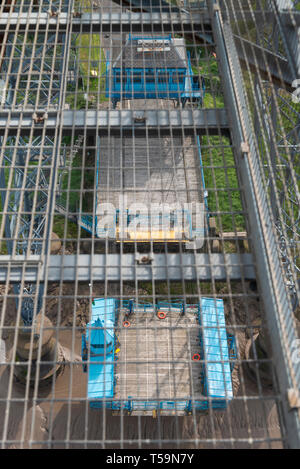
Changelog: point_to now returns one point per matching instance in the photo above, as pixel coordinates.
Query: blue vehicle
(153, 67)
(130, 365)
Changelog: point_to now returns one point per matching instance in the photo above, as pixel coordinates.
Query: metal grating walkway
(67, 148)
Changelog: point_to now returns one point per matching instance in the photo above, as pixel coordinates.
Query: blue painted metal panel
(150, 84)
(218, 383)
(232, 349)
(191, 87)
(143, 306)
(214, 345)
(86, 222)
(168, 80)
(101, 368)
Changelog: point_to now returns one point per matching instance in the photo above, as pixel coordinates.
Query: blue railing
(187, 405)
(168, 82)
(160, 304)
(87, 220)
(232, 349)
(215, 353)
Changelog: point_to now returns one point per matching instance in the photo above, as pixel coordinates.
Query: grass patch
(212, 101)
(80, 176)
(83, 6)
(207, 68)
(177, 289)
(64, 229)
(91, 57)
(92, 70)
(224, 200)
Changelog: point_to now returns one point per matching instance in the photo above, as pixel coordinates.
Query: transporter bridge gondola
(126, 353)
(153, 67)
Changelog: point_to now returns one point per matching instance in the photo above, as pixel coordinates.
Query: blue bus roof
(101, 375)
(215, 348)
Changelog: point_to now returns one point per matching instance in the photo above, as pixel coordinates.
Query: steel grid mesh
(66, 148)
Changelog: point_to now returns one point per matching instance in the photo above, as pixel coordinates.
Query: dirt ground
(59, 416)
(44, 422)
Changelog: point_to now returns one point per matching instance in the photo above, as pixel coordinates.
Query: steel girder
(277, 307)
(32, 71)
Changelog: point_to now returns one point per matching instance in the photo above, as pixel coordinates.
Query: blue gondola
(100, 346)
(153, 67)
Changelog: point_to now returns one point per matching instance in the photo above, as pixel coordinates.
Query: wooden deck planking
(155, 363)
(149, 171)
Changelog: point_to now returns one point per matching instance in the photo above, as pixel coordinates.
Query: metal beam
(248, 52)
(278, 68)
(182, 22)
(116, 267)
(130, 21)
(271, 66)
(49, 88)
(200, 121)
(277, 307)
(105, 22)
(289, 19)
(152, 5)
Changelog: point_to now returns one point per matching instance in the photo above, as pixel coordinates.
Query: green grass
(91, 58)
(72, 182)
(220, 173)
(84, 6)
(64, 229)
(217, 155)
(3, 247)
(212, 101)
(176, 289)
(207, 68)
